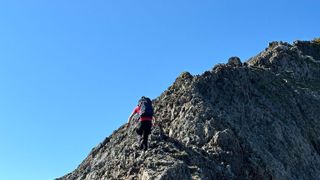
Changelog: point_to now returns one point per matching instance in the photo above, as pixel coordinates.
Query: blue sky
(72, 71)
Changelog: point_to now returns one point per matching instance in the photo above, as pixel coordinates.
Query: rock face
(256, 120)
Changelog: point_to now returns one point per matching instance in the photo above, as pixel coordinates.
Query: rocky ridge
(252, 120)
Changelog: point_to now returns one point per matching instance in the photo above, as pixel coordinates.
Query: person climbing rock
(145, 112)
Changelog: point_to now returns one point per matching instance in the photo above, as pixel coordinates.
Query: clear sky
(71, 71)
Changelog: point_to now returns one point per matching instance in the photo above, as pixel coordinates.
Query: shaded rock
(234, 61)
(258, 121)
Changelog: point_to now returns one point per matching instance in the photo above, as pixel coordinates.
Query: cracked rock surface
(254, 120)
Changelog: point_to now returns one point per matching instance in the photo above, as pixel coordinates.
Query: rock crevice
(253, 120)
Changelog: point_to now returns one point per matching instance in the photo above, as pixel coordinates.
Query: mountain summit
(254, 120)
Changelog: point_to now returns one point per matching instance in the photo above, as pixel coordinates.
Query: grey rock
(234, 61)
(257, 121)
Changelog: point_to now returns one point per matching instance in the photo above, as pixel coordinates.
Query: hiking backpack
(146, 109)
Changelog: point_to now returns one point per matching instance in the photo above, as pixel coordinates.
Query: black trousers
(143, 130)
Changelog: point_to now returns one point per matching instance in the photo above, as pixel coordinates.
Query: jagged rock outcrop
(256, 120)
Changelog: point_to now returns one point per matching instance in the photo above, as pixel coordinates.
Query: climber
(145, 112)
